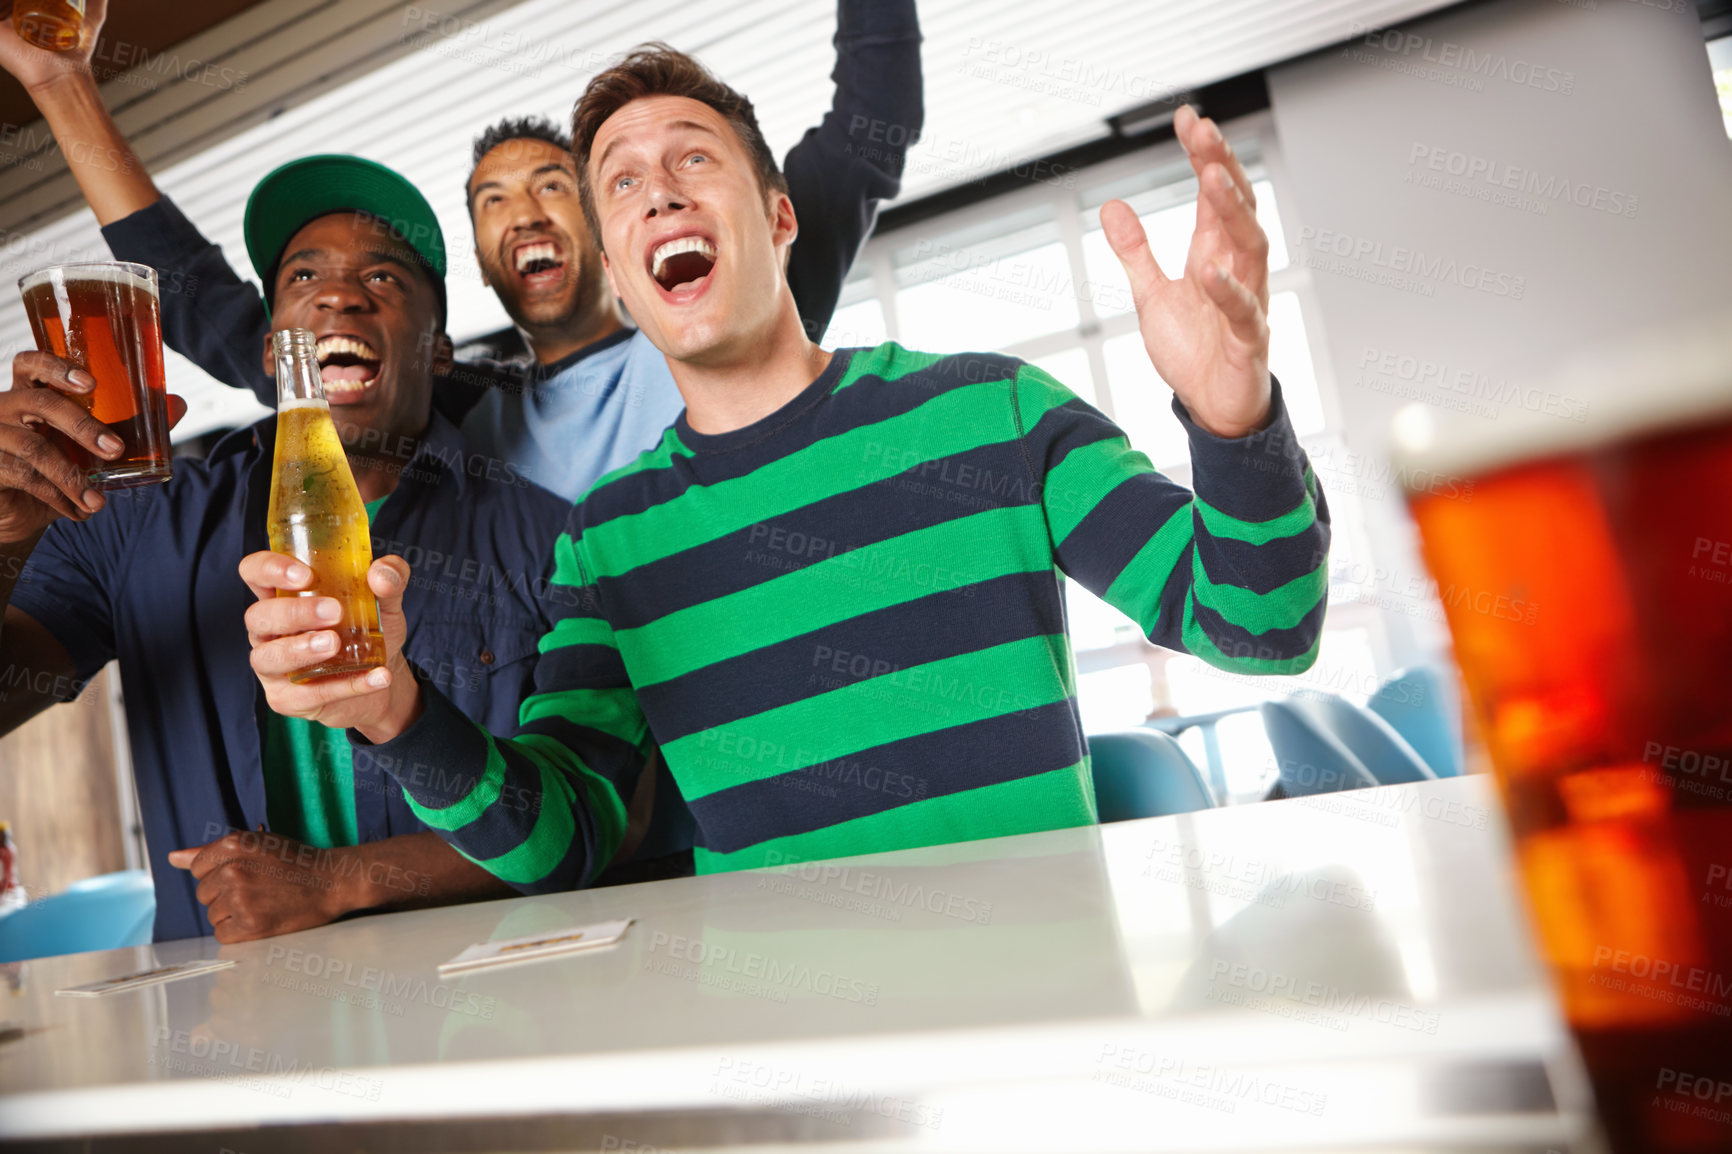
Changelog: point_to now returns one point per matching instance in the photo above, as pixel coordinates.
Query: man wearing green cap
(258, 824)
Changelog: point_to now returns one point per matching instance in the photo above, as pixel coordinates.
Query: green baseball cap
(302, 190)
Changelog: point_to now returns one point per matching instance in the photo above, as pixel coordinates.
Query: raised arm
(853, 159)
(64, 88)
(209, 314)
(1234, 571)
(544, 810)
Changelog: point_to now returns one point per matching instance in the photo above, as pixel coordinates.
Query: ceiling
(411, 87)
(134, 30)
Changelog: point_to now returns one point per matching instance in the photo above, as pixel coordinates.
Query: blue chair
(1421, 705)
(1369, 738)
(99, 913)
(1308, 757)
(1142, 773)
(1205, 724)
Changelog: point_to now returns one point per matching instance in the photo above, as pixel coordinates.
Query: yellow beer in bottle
(316, 514)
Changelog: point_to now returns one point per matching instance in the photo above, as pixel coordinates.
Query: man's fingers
(1130, 243)
(1205, 144)
(266, 572)
(388, 578)
(232, 928)
(290, 616)
(220, 911)
(212, 855)
(31, 463)
(182, 859)
(212, 885)
(310, 699)
(1238, 220)
(288, 655)
(176, 409)
(46, 407)
(1244, 312)
(36, 370)
(42, 384)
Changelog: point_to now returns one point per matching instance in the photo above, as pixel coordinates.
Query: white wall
(1614, 97)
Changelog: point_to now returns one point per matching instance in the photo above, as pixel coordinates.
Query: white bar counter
(1344, 972)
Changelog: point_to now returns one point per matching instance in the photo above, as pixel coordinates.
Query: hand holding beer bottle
(316, 514)
(328, 631)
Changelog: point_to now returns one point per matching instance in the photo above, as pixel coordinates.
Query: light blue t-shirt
(580, 417)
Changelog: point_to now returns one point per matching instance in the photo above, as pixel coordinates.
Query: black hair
(513, 128)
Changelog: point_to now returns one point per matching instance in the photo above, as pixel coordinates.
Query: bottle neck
(297, 367)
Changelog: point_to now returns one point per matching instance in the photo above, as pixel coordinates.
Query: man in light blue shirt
(597, 393)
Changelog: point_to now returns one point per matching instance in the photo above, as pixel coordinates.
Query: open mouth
(346, 364)
(682, 265)
(538, 263)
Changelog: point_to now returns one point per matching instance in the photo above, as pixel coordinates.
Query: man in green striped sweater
(832, 597)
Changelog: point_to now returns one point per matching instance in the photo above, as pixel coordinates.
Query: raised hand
(293, 633)
(36, 67)
(1207, 332)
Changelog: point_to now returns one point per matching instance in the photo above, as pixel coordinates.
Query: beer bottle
(57, 25)
(316, 514)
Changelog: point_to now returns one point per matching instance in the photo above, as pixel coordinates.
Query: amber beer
(106, 319)
(1609, 717)
(316, 514)
(57, 25)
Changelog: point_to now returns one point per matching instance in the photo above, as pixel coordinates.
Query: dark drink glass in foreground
(105, 318)
(1608, 709)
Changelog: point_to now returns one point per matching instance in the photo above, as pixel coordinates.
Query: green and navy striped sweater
(844, 624)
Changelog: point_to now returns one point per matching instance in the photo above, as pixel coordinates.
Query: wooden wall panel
(57, 788)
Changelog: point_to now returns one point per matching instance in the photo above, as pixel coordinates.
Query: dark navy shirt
(153, 581)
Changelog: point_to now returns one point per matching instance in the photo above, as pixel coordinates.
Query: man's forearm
(35, 666)
(413, 871)
(13, 555)
(536, 811)
(109, 173)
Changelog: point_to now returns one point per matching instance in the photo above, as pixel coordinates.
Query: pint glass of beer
(105, 319)
(57, 25)
(1607, 709)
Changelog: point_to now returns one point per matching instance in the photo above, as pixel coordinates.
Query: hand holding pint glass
(1608, 710)
(105, 319)
(57, 25)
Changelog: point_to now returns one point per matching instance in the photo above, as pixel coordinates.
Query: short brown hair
(656, 69)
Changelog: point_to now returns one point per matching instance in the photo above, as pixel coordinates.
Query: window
(1720, 59)
(1030, 273)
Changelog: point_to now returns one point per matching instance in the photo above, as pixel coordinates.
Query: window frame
(1254, 138)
